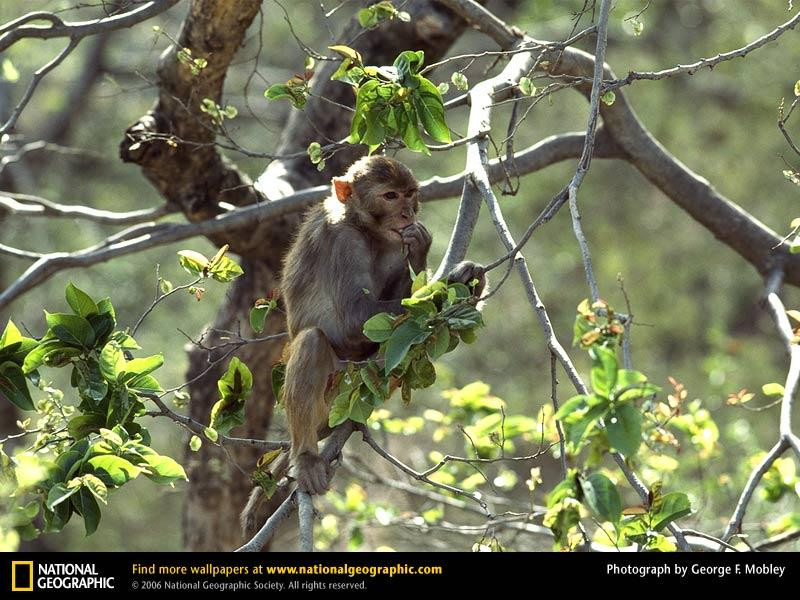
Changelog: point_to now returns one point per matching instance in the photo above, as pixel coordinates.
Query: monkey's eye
(390, 195)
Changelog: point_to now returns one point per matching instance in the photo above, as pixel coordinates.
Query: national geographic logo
(27, 576)
(21, 575)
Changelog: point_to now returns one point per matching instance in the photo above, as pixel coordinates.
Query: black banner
(282, 573)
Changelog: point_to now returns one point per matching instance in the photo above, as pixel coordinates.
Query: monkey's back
(308, 269)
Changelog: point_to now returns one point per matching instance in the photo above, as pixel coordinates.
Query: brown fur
(350, 261)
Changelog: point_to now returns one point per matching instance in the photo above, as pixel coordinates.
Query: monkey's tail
(248, 517)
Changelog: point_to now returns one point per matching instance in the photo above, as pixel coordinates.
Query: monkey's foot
(312, 473)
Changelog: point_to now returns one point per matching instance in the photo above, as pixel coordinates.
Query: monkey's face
(394, 207)
(385, 195)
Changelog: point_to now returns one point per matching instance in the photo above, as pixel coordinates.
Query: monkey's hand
(418, 240)
(312, 473)
(466, 272)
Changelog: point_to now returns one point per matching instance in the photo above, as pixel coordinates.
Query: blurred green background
(696, 302)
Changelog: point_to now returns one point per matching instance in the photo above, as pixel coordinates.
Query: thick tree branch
(137, 239)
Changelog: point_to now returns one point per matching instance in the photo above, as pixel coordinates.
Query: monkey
(349, 261)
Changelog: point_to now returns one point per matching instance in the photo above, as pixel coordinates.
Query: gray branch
(23, 28)
(34, 206)
(306, 515)
(333, 448)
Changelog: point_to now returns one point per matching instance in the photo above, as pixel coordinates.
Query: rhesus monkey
(350, 261)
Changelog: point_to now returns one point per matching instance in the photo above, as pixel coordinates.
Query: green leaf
(120, 405)
(430, 108)
(80, 301)
(772, 389)
(225, 270)
(105, 307)
(14, 386)
(143, 366)
(438, 343)
(163, 469)
(576, 403)
(103, 325)
(14, 346)
(146, 384)
(408, 126)
(360, 405)
(608, 98)
(258, 316)
(578, 424)
(347, 52)
(58, 494)
(85, 503)
(378, 328)
(423, 373)
(71, 329)
(81, 426)
(459, 80)
(125, 341)
(420, 281)
(371, 379)
(604, 370)
(195, 443)
(367, 18)
(467, 336)
(234, 387)
(113, 470)
(375, 131)
(112, 437)
(96, 487)
(641, 390)
(401, 340)
(237, 380)
(11, 335)
(112, 361)
(624, 429)
(409, 62)
(193, 262)
(526, 86)
(10, 72)
(340, 409)
(68, 462)
(602, 497)
(673, 506)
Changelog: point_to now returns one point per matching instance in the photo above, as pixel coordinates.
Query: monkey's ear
(343, 189)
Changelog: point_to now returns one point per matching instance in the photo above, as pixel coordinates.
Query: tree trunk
(196, 178)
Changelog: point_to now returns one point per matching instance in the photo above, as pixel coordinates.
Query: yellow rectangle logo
(25, 583)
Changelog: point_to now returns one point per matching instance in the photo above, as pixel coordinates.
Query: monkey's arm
(356, 296)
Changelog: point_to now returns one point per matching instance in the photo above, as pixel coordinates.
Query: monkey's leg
(249, 514)
(311, 361)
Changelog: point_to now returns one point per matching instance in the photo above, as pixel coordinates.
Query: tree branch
(21, 28)
(333, 447)
(35, 206)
